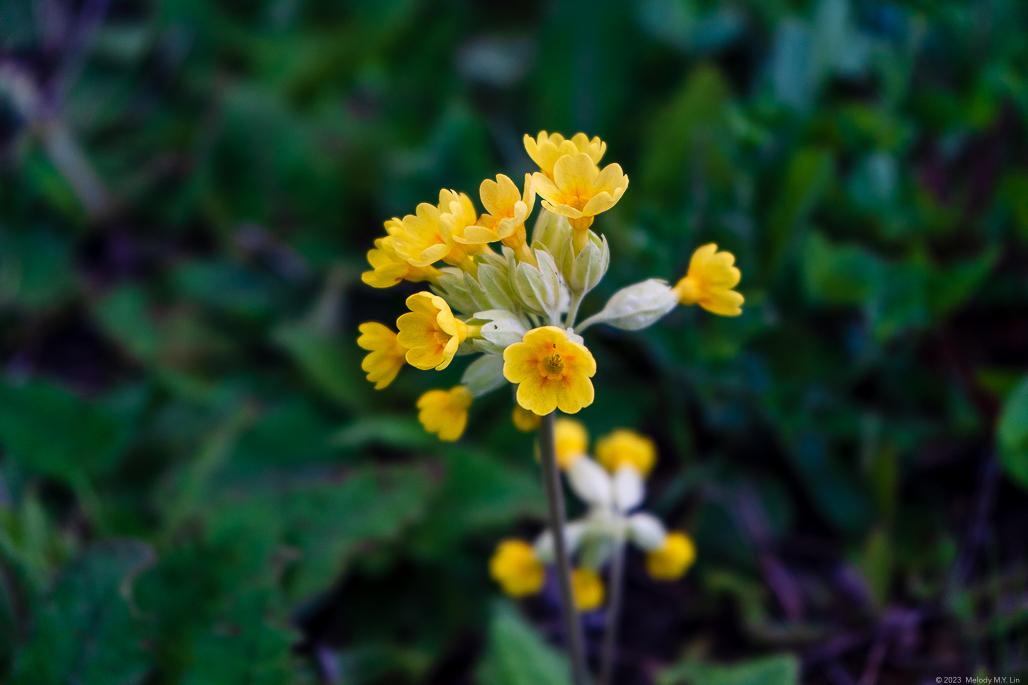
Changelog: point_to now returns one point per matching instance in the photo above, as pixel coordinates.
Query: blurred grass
(200, 487)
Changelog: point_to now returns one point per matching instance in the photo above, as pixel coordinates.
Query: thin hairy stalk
(555, 502)
(610, 638)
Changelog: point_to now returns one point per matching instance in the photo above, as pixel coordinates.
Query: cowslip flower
(445, 412)
(571, 441)
(587, 589)
(671, 561)
(386, 356)
(551, 371)
(388, 268)
(709, 282)
(517, 569)
(430, 332)
(430, 235)
(625, 447)
(507, 210)
(524, 420)
(580, 191)
(545, 149)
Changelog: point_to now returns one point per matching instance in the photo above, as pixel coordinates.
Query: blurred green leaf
(1012, 435)
(50, 431)
(808, 176)
(517, 655)
(335, 370)
(87, 630)
(35, 270)
(781, 669)
(845, 274)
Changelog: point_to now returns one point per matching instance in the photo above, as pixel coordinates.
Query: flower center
(552, 366)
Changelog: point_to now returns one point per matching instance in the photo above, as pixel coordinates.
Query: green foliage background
(198, 486)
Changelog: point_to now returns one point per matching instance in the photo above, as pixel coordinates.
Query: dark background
(198, 486)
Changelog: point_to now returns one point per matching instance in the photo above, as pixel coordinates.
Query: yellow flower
(572, 440)
(672, 560)
(579, 190)
(430, 235)
(710, 280)
(386, 358)
(626, 447)
(507, 209)
(430, 332)
(388, 268)
(445, 412)
(524, 420)
(551, 371)
(517, 569)
(545, 149)
(587, 588)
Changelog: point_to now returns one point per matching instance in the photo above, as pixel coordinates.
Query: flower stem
(617, 582)
(555, 501)
(576, 302)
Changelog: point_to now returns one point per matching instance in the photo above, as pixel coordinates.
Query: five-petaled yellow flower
(587, 589)
(430, 332)
(388, 268)
(671, 561)
(386, 354)
(551, 371)
(508, 208)
(445, 412)
(545, 149)
(625, 447)
(571, 440)
(430, 235)
(579, 190)
(710, 280)
(517, 569)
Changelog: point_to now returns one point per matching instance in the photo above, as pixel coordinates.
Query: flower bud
(582, 272)
(500, 328)
(629, 490)
(539, 287)
(552, 233)
(636, 306)
(646, 531)
(573, 532)
(483, 375)
(452, 287)
(590, 482)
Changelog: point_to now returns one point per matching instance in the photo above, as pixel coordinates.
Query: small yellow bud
(524, 420)
(672, 560)
(587, 588)
(386, 354)
(517, 569)
(572, 440)
(626, 447)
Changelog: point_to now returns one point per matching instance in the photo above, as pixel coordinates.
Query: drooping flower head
(507, 210)
(552, 372)
(625, 447)
(430, 332)
(672, 560)
(579, 190)
(517, 569)
(571, 440)
(545, 149)
(445, 412)
(388, 268)
(386, 353)
(710, 280)
(587, 589)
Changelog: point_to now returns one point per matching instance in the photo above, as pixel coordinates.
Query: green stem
(610, 638)
(576, 302)
(555, 502)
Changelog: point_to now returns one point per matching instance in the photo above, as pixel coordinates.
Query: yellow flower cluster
(496, 293)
